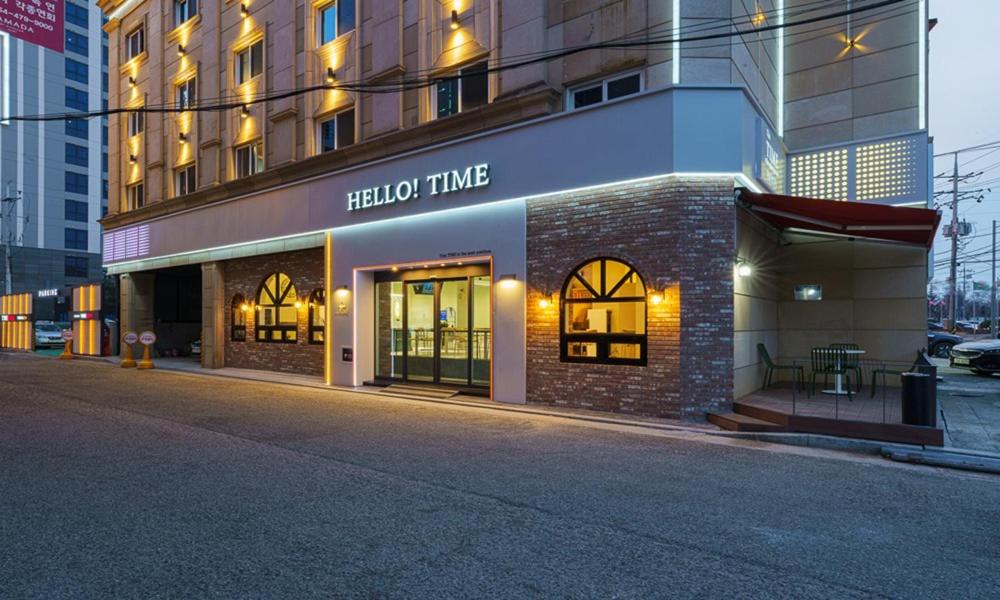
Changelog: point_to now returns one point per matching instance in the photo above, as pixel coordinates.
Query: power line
(230, 102)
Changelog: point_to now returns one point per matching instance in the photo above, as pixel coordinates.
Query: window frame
(258, 163)
(188, 174)
(603, 341)
(77, 261)
(238, 319)
(190, 11)
(603, 82)
(136, 122)
(190, 86)
(335, 119)
(79, 241)
(317, 303)
(135, 195)
(278, 303)
(459, 79)
(336, 6)
(238, 64)
(139, 34)
(72, 211)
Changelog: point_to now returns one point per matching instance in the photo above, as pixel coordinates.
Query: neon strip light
(676, 45)
(781, 68)
(740, 178)
(5, 84)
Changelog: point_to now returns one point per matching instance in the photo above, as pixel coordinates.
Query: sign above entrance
(437, 184)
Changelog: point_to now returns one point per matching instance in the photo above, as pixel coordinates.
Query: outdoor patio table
(838, 380)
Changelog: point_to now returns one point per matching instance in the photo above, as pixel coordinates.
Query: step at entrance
(423, 391)
(737, 422)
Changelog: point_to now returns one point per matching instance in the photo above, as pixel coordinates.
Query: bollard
(148, 338)
(128, 361)
(67, 352)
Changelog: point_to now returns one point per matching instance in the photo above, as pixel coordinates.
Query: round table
(838, 384)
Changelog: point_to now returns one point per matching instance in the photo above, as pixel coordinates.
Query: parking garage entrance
(177, 311)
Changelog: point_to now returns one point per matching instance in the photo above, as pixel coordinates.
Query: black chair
(798, 373)
(826, 362)
(884, 370)
(851, 362)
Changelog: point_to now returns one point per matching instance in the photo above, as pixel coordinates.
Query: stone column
(213, 316)
(136, 302)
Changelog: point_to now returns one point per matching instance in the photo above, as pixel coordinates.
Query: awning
(855, 219)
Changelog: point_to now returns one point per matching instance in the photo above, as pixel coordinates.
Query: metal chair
(851, 362)
(826, 362)
(798, 373)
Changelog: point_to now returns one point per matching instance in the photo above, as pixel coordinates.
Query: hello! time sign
(436, 184)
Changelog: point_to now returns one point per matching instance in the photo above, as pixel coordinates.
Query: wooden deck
(777, 409)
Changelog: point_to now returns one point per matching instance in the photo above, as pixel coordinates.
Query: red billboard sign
(34, 21)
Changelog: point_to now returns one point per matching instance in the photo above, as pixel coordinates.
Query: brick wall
(679, 235)
(244, 276)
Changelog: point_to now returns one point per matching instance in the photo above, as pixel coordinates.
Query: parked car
(193, 348)
(939, 343)
(47, 334)
(982, 358)
(934, 326)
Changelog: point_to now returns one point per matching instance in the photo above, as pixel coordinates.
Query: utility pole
(952, 279)
(993, 286)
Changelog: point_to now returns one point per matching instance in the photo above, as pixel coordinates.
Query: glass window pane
(328, 24)
(623, 87)
(581, 349)
(447, 97)
(475, 86)
(625, 351)
(345, 18)
(588, 96)
(622, 317)
(256, 59)
(328, 135)
(345, 128)
(389, 329)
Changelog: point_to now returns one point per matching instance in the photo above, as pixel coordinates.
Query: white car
(47, 335)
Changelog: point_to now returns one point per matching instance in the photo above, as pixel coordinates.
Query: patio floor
(861, 406)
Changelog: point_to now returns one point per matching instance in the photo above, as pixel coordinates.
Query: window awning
(855, 219)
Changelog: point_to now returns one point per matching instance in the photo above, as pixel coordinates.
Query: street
(120, 483)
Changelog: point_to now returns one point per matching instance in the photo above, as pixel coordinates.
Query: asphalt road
(118, 483)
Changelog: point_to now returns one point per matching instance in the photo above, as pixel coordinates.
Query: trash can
(919, 400)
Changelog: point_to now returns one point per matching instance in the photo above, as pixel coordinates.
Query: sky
(964, 104)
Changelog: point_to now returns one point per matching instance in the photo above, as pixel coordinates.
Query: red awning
(854, 219)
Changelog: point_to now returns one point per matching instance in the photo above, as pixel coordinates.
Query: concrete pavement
(154, 484)
(971, 407)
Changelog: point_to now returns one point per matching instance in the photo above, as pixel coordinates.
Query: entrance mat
(423, 391)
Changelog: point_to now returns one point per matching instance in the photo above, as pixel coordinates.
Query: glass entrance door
(434, 330)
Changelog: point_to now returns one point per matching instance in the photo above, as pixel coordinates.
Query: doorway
(433, 326)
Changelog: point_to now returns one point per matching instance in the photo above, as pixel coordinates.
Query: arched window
(238, 313)
(603, 314)
(277, 313)
(317, 316)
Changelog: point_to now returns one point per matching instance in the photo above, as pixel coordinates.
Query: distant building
(562, 232)
(53, 175)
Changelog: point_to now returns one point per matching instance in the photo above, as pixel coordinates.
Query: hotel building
(569, 232)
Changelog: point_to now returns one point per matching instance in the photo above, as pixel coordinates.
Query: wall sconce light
(244, 307)
(132, 159)
(343, 290)
(244, 11)
(181, 50)
(509, 280)
(395, 269)
(131, 81)
(743, 269)
(547, 300)
(656, 298)
(182, 137)
(851, 43)
(244, 111)
(298, 305)
(454, 20)
(330, 76)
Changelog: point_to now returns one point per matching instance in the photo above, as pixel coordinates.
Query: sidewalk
(970, 408)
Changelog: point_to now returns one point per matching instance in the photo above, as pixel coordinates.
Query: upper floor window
(77, 183)
(76, 266)
(76, 42)
(187, 93)
(335, 19)
(135, 196)
(468, 89)
(136, 122)
(337, 131)
(250, 62)
(77, 15)
(184, 10)
(75, 211)
(277, 314)
(604, 90)
(77, 99)
(185, 180)
(75, 239)
(77, 155)
(77, 128)
(135, 42)
(76, 70)
(249, 159)
(603, 314)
